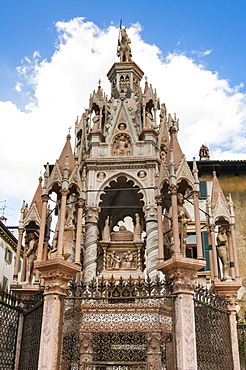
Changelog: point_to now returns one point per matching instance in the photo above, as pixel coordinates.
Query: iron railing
(213, 337)
(9, 319)
(122, 289)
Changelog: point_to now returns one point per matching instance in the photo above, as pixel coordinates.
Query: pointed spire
(174, 144)
(195, 174)
(146, 86)
(99, 90)
(217, 192)
(67, 152)
(22, 214)
(231, 207)
(37, 197)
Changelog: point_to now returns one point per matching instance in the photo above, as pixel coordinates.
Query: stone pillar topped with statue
(175, 183)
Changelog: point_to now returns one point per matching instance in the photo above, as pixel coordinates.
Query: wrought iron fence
(9, 318)
(111, 297)
(31, 334)
(116, 366)
(11, 308)
(213, 336)
(241, 331)
(121, 289)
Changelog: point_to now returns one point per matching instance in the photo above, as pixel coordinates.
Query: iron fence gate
(11, 309)
(9, 319)
(31, 336)
(213, 336)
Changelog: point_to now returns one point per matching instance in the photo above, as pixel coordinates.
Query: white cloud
(209, 109)
(202, 53)
(18, 87)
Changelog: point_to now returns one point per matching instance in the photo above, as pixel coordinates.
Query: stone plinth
(56, 274)
(181, 273)
(229, 289)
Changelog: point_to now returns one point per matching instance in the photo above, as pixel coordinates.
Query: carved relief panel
(122, 145)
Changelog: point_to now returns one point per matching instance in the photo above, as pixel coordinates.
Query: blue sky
(182, 25)
(47, 72)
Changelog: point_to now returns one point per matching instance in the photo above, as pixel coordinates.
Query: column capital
(45, 197)
(158, 200)
(80, 202)
(195, 193)
(64, 192)
(173, 189)
(228, 289)
(181, 272)
(91, 213)
(56, 274)
(150, 212)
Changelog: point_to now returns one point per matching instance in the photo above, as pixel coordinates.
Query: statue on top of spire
(124, 49)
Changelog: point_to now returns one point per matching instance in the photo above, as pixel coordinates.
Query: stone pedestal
(56, 274)
(229, 289)
(180, 273)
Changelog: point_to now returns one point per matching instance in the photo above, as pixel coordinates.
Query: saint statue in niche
(183, 219)
(31, 256)
(223, 252)
(149, 118)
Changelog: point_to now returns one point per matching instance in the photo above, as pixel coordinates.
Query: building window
(206, 247)
(8, 255)
(191, 249)
(5, 282)
(203, 190)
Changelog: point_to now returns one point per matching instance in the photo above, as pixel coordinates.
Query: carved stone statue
(122, 234)
(124, 50)
(96, 121)
(106, 230)
(31, 256)
(129, 259)
(149, 118)
(183, 219)
(137, 228)
(223, 251)
(114, 260)
(68, 235)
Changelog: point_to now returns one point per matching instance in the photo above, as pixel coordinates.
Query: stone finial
(195, 174)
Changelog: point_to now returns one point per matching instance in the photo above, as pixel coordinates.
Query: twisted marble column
(151, 240)
(91, 237)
